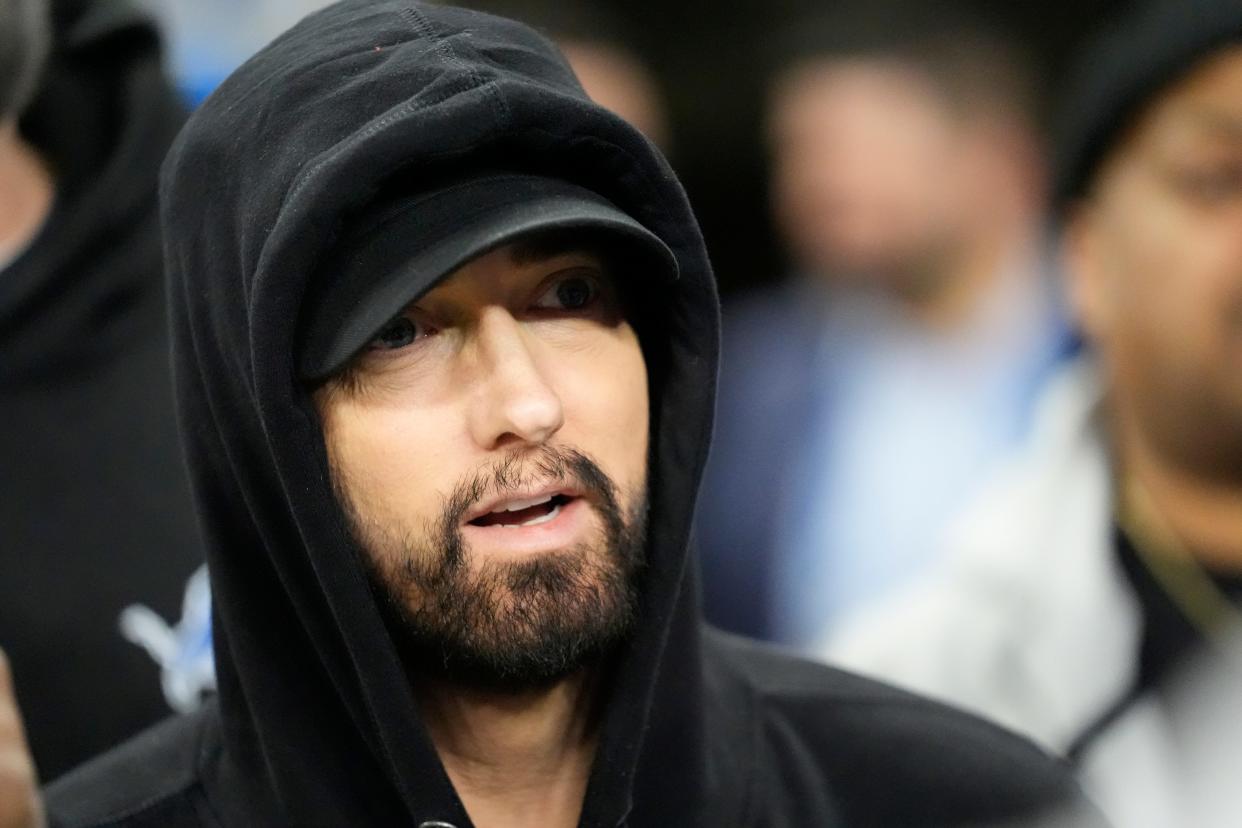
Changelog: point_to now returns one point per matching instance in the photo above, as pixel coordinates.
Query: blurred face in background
(620, 82)
(1155, 255)
(868, 167)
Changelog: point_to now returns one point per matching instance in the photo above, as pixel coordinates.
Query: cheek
(603, 389)
(385, 457)
(1172, 271)
(1176, 270)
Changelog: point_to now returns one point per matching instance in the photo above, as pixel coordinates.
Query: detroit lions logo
(183, 650)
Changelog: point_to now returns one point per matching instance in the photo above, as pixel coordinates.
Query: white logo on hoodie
(183, 650)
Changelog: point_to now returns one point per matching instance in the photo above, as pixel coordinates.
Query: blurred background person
(1109, 557)
(602, 49)
(94, 505)
(864, 401)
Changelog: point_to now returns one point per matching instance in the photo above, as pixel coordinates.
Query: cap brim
(401, 249)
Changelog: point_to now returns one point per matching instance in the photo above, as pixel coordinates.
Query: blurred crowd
(979, 425)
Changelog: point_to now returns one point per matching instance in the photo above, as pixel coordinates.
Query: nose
(513, 403)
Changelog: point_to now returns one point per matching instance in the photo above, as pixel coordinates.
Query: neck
(1204, 516)
(517, 760)
(25, 191)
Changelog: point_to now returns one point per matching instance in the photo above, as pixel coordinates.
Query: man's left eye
(570, 293)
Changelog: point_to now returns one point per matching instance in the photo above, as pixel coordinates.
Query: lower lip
(569, 527)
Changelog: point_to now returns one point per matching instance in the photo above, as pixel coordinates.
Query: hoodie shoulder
(151, 780)
(867, 754)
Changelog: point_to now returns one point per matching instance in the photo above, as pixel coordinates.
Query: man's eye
(572, 293)
(398, 333)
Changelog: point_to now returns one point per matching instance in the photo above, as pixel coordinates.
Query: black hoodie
(95, 506)
(315, 722)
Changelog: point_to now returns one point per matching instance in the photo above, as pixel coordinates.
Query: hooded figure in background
(95, 510)
(446, 341)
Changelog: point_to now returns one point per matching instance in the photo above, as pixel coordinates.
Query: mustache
(559, 465)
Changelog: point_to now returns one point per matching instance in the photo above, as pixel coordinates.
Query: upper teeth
(516, 505)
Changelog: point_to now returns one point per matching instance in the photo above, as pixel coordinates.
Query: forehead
(839, 94)
(1204, 105)
(819, 81)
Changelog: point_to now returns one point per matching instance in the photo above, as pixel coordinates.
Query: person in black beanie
(95, 512)
(1096, 597)
(446, 338)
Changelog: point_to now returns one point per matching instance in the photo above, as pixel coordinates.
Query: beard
(507, 626)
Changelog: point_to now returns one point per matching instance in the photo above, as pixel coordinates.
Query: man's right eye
(398, 333)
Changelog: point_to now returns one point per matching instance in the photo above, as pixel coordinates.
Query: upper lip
(521, 496)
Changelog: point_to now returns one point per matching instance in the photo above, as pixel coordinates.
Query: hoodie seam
(379, 126)
(422, 28)
(420, 25)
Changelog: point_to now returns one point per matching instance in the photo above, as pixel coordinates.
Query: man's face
(490, 450)
(869, 167)
(1155, 255)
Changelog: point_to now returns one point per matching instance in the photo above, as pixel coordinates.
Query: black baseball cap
(1128, 66)
(402, 246)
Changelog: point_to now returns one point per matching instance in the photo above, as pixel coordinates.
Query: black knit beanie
(1133, 61)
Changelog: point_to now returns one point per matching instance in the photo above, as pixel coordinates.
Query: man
(95, 514)
(869, 396)
(1094, 588)
(445, 333)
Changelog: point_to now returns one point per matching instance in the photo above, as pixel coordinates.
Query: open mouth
(522, 513)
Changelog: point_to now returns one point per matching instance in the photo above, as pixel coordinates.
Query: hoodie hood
(104, 116)
(319, 723)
